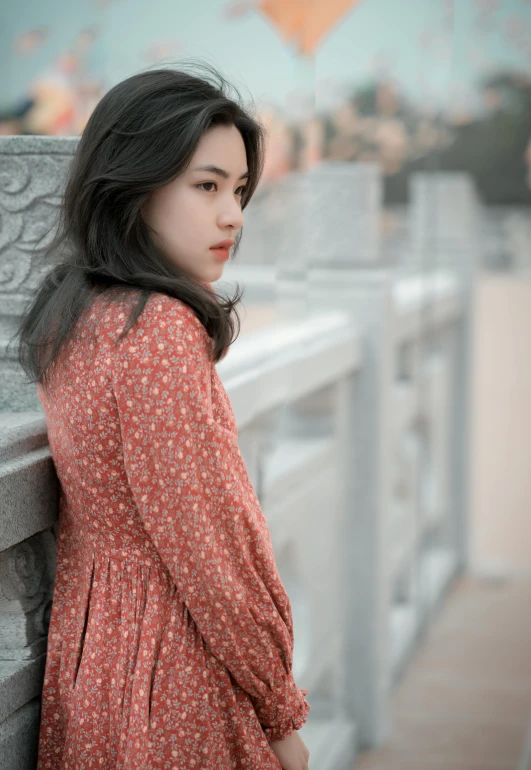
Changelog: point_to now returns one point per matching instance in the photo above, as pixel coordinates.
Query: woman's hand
(292, 752)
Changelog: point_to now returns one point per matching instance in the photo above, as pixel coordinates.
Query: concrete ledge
(20, 682)
(29, 488)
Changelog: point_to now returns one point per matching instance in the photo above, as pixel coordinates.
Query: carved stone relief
(33, 171)
(32, 177)
(27, 573)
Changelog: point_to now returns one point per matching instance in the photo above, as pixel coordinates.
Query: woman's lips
(221, 254)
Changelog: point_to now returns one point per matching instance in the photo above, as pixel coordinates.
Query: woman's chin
(217, 271)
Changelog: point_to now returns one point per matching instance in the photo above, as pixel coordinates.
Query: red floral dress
(171, 638)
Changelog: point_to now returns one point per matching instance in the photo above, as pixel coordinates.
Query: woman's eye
(240, 190)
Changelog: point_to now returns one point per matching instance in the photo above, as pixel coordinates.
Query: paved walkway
(465, 701)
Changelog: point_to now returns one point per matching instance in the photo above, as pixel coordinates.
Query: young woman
(171, 638)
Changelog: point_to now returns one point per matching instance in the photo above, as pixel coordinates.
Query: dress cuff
(283, 711)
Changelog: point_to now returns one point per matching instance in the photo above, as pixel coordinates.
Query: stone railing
(404, 458)
(407, 463)
(289, 386)
(404, 496)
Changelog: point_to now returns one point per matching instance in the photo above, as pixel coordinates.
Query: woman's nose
(232, 216)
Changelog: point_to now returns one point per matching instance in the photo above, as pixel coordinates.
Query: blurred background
(405, 85)
(411, 121)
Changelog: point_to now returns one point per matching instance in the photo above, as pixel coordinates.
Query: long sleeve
(199, 507)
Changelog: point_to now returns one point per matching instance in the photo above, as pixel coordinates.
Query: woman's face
(202, 207)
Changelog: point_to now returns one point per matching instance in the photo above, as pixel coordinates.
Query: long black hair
(141, 136)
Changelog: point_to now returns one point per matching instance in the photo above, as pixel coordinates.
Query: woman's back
(84, 436)
(171, 634)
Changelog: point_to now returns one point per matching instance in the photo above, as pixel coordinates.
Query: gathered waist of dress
(129, 557)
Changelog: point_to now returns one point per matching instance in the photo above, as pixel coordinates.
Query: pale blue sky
(250, 52)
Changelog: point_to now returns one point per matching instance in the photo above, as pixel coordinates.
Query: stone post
(32, 175)
(444, 221)
(330, 219)
(335, 232)
(446, 233)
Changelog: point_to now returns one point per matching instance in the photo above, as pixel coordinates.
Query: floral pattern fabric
(171, 635)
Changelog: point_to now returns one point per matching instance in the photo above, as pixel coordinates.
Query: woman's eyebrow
(219, 171)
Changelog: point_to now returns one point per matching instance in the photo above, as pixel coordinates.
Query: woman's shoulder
(172, 310)
(112, 309)
(164, 320)
(174, 320)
